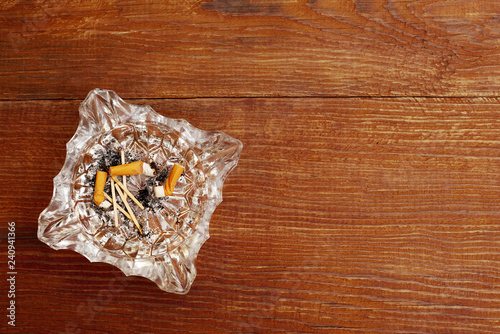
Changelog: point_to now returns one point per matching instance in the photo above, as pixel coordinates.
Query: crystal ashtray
(173, 227)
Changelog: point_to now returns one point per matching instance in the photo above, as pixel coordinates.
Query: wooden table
(366, 199)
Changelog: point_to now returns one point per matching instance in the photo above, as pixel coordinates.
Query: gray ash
(108, 158)
(146, 234)
(148, 199)
(146, 195)
(153, 165)
(161, 177)
(112, 158)
(107, 188)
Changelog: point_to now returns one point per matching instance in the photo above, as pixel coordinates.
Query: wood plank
(249, 48)
(344, 215)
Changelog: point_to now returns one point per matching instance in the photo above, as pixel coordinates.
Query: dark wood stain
(241, 7)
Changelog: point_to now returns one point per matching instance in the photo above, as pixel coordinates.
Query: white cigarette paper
(105, 204)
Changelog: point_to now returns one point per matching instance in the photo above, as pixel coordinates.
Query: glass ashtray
(173, 228)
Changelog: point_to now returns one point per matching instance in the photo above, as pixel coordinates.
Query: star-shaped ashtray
(140, 230)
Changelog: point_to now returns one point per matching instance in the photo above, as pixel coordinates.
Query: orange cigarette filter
(173, 177)
(133, 168)
(100, 182)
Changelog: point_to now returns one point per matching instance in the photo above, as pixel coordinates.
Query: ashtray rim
(101, 111)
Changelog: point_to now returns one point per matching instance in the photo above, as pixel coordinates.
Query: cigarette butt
(100, 182)
(133, 168)
(173, 177)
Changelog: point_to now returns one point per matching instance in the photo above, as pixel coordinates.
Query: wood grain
(344, 215)
(366, 198)
(249, 48)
